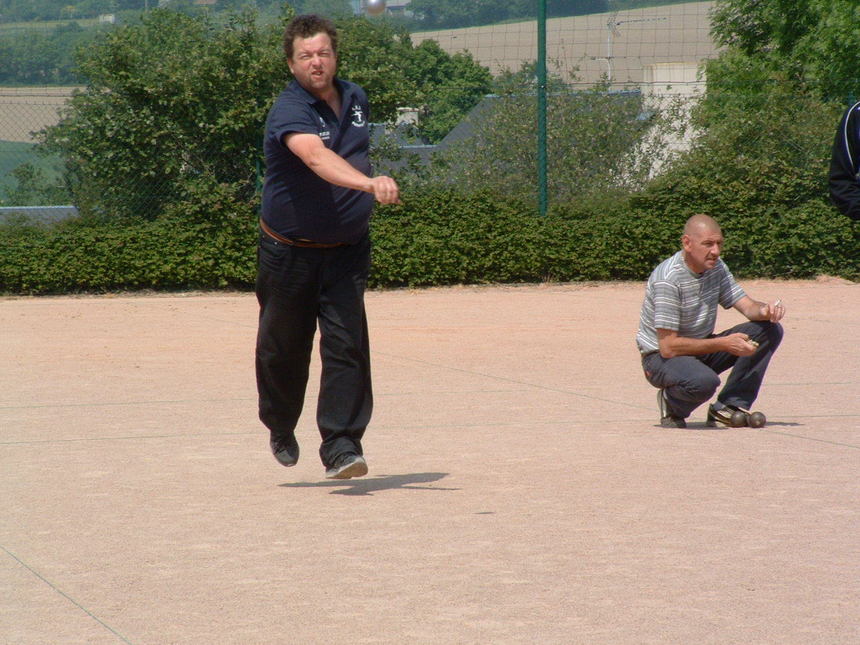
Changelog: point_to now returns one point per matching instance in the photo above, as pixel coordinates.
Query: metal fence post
(541, 108)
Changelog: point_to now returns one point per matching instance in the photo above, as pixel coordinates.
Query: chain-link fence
(616, 47)
(622, 86)
(644, 54)
(24, 172)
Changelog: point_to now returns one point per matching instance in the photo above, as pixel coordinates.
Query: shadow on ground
(368, 486)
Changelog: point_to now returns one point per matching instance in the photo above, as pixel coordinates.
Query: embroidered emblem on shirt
(325, 135)
(358, 117)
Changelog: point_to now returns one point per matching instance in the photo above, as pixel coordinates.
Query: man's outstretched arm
(336, 170)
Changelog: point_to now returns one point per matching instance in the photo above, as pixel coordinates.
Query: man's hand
(739, 344)
(772, 311)
(756, 310)
(385, 190)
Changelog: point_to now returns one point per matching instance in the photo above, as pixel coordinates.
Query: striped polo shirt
(676, 298)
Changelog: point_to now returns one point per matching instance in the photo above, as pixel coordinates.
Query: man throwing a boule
(314, 253)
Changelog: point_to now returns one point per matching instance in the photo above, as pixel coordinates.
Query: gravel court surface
(519, 488)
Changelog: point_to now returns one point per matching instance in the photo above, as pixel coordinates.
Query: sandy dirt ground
(520, 490)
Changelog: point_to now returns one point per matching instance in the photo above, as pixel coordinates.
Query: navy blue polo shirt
(297, 203)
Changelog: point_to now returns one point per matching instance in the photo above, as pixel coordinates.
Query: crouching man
(681, 354)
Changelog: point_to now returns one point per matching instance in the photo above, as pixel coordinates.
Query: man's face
(314, 63)
(702, 248)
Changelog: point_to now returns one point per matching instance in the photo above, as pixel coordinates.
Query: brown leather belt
(306, 244)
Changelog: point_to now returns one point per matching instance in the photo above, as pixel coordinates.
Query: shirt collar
(343, 87)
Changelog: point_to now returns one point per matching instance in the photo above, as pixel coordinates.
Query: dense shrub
(204, 241)
(444, 237)
(207, 240)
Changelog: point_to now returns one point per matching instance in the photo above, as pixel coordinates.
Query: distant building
(398, 7)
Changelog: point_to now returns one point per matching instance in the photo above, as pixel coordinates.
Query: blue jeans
(690, 381)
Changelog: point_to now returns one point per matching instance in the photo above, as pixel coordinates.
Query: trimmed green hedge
(435, 237)
(204, 242)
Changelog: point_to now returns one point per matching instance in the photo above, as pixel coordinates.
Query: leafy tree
(831, 49)
(397, 74)
(814, 43)
(177, 98)
(33, 188)
(762, 27)
(766, 126)
(26, 10)
(764, 178)
(43, 58)
(93, 8)
(20, 10)
(592, 141)
(331, 8)
(373, 55)
(128, 5)
(525, 79)
(169, 100)
(447, 87)
(773, 98)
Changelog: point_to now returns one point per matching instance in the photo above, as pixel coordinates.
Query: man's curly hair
(306, 26)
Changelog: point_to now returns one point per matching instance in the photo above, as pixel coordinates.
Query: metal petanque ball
(739, 419)
(757, 420)
(374, 7)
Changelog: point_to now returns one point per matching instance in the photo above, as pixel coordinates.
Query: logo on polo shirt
(358, 117)
(325, 135)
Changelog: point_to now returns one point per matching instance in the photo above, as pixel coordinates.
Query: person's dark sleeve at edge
(844, 180)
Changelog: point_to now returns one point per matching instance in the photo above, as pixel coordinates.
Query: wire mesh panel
(651, 52)
(614, 47)
(28, 176)
(621, 86)
(620, 91)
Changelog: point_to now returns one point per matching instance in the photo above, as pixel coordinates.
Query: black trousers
(298, 288)
(689, 381)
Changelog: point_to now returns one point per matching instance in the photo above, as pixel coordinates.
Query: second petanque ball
(757, 420)
(374, 7)
(739, 419)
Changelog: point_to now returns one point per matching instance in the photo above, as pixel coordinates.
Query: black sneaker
(728, 416)
(667, 419)
(285, 449)
(346, 466)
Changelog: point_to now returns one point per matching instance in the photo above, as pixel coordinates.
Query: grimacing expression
(702, 248)
(314, 63)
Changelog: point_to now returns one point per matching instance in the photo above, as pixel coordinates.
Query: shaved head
(700, 224)
(702, 242)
